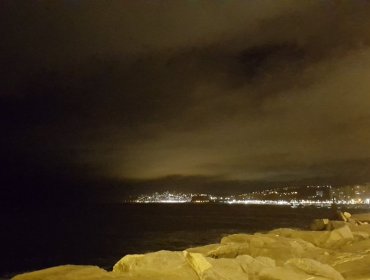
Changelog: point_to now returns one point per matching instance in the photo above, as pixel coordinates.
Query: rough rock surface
(341, 251)
(171, 265)
(319, 224)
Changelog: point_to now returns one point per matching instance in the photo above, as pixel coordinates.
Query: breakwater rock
(339, 250)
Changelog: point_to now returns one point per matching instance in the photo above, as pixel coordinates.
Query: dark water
(102, 234)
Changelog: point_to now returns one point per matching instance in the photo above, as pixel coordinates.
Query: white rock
(198, 262)
(273, 246)
(339, 237)
(229, 251)
(313, 267)
(215, 269)
(342, 217)
(354, 266)
(347, 215)
(165, 264)
(316, 238)
(281, 248)
(319, 224)
(323, 239)
(236, 238)
(228, 269)
(360, 235)
(204, 250)
(281, 273)
(336, 224)
(254, 266)
(67, 272)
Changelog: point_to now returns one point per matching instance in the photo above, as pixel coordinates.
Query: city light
(320, 196)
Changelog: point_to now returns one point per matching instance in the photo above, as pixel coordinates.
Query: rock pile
(334, 250)
(343, 217)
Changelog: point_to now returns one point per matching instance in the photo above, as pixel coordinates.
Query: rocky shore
(333, 249)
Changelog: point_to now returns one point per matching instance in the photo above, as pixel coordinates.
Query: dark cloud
(254, 91)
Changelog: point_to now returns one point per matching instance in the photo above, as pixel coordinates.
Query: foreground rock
(172, 265)
(342, 251)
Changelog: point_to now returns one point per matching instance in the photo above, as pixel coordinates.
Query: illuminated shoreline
(302, 203)
(321, 196)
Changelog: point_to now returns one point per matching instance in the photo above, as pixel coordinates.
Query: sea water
(101, 234)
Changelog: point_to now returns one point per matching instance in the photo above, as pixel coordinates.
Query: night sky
(228, 94)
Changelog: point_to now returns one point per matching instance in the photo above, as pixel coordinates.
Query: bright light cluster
(166, 197)
(293, 196)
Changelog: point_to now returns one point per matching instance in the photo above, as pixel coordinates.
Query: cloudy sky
(234, 90)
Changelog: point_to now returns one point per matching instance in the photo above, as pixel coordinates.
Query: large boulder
(254, 266)
(316, 238)
(313, 267)
(271, 245)
(354, 266)
(225, 269)
(319, 224)
(229, 251)
(347, 215)
(360, 235)
(282, 273)
(336, 224)
(67, 272)
(338, 237)
(161, 265)
(282, 248)
(204, 250)
(215, 269)
(236, 238)
(323, 239)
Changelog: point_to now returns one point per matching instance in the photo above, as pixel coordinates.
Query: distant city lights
(290, 196)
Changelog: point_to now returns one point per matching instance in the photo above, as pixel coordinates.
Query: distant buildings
(165, 197)
(288, 195)
(202, 198)
(353, 194)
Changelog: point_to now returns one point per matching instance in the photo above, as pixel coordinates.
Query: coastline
(339, 250)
